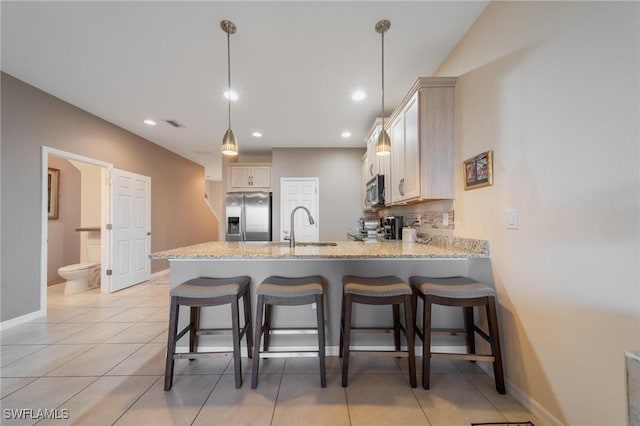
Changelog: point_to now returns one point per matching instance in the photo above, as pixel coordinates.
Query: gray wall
(31, 119)
(340, 189)
(63, 246)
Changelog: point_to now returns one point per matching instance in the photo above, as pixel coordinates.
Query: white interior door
(131, 224)
(299, 192)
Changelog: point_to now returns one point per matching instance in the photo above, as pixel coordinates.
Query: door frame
(282, 206)
(104, 218)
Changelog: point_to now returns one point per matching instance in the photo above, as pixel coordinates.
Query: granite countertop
(343, 250)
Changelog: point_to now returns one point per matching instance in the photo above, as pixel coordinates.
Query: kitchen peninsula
(260, 260)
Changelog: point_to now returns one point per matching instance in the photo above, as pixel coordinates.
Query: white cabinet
(405, 154)
(249, 177)
(422, 141)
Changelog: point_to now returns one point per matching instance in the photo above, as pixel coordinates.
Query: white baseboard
(527, 402)
(4, 325)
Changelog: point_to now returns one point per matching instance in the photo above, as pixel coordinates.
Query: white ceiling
(293, 64)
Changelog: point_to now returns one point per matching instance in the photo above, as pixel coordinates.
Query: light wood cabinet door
(411, 182)
(396, 134)
(240, 177)
(405, 154)
(250, 178)
(261, 177)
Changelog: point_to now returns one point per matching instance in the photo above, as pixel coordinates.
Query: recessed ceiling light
(149, 122)
(256, 134)
(346, 134)
(232, 94)
(358, 95)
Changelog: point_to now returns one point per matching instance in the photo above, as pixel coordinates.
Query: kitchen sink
(267, 243)
(317, 244)
(286, 244)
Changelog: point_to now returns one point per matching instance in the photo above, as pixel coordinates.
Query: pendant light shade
(383, 144)
(229, 144)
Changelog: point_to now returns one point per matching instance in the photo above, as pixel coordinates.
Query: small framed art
(478, 171)
(53, 186)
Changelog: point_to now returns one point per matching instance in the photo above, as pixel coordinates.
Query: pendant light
(229, 145)
(383, 145)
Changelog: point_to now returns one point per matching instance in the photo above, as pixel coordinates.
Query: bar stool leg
(171, 343)
(267, 326)
(498, 372)
(235, 331)
(321, 340)
(247, 321)
(194, 326)
(396, 326)
(426, 342)
(347, 339)
(256, 343)
(340, 351)
(410, 335)
(469, 325)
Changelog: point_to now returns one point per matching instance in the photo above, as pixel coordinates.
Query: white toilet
(82, 276)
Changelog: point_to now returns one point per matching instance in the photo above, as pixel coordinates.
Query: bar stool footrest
(395, 354)
(298, 354)
(193, 355)
(464, 357)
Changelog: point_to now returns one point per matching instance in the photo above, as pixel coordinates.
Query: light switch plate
(512, 219)
(464, 220)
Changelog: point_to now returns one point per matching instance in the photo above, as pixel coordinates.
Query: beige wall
(339, 173)
(63, 246)
(553, 89)
(32, 119)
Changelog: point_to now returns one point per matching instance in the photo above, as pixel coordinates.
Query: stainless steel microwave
(375, 192)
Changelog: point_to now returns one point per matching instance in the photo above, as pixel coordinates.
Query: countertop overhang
(343, 250)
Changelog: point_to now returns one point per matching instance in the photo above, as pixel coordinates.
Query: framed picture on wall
(53, 187)
(478, 171)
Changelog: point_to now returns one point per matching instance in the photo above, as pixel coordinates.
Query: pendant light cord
(229, 75)
(382, 33)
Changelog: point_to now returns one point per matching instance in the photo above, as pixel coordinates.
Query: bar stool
(466, 293)
(286, 291)
(202, 292)
(387, 290)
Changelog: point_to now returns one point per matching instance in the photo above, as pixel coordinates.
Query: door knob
(148, 233)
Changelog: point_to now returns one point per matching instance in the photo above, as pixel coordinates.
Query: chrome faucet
(292, 236)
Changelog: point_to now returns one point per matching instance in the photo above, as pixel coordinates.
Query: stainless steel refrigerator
(248, 216)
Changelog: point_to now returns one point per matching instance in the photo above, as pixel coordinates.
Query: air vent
(174, 123)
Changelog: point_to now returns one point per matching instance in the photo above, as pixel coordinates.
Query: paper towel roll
(409, 235)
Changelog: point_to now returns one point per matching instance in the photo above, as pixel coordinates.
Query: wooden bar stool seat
(203, 292)
(465, 293)
(388, 290)
(285, 291)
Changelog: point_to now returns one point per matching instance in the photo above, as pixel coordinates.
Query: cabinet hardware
(371, 169)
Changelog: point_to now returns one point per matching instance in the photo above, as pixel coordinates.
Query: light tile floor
(101, 357)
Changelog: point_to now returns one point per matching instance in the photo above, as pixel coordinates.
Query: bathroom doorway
(75, 211)
(93, 228)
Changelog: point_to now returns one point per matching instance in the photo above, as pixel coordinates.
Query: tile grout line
(275, 403)
(207, 399)
(136, 400)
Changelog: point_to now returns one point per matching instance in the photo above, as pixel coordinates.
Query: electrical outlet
(512, 219)
(464, 220)
(445, 219)
(313, 306)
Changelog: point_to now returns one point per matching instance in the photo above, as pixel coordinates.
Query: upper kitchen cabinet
(422, 140)
(249, 177)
